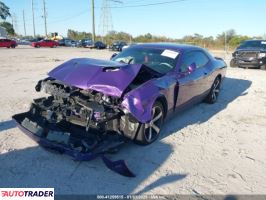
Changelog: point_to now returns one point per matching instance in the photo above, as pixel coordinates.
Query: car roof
(171, 46)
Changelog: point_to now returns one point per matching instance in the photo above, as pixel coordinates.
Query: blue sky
(206, 17)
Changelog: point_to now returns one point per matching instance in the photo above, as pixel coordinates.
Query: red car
(8, 43)
(45, 43)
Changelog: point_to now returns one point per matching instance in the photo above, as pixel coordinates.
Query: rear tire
(37, 46)
(233, 63)
(214, 92)
(150, 131)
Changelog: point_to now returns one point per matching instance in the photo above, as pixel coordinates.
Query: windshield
(160, 60)
(254, 44)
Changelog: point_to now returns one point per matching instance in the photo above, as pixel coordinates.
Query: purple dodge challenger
(93, 106)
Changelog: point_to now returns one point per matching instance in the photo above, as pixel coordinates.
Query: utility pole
(25, 33)
(44, 15)
(33, 22)
(225, 39)
(14, 22)
(93, 20)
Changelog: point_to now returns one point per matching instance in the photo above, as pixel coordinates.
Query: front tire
(214, 92)
(151, 130)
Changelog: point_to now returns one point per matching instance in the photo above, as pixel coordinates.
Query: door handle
(205, 73)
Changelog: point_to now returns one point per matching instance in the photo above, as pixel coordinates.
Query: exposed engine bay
(77, 106)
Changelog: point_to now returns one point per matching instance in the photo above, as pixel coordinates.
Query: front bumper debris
(73, 142)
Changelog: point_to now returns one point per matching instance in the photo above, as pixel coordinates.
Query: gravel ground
(208, 149)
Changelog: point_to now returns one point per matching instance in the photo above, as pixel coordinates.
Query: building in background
(3, 32)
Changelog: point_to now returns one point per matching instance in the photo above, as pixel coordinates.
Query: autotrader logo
(27, 193)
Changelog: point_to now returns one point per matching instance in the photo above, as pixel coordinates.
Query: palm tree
(4, 11)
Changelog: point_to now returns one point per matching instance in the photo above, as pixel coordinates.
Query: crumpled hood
(108, 77)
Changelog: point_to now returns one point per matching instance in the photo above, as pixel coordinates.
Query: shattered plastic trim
(119, 166)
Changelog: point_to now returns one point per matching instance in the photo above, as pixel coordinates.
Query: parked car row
(40, 42)
(86, 43)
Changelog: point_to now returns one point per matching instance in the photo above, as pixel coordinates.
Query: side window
(198, 58)
(188, 59)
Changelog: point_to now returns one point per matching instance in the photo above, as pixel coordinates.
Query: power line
(149, 4)
(86, 11)
(106, 7)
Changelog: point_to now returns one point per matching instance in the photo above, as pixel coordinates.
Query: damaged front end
(88, 110)
(84, 124)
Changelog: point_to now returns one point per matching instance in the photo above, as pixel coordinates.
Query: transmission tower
(106, 23)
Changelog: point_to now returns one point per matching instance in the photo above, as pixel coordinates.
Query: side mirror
(115, 54)
(188, 69)
(191, 67)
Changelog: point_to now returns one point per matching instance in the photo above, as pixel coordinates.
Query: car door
(6, 43)
(191, 77)
(48, 43)
(45, 43)
(202, 62)
(41, 43)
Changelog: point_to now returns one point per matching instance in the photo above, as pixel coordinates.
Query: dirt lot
(209, 149)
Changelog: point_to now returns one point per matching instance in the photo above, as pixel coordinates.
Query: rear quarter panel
(217, 68)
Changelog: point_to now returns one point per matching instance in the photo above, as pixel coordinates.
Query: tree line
(228, 39)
